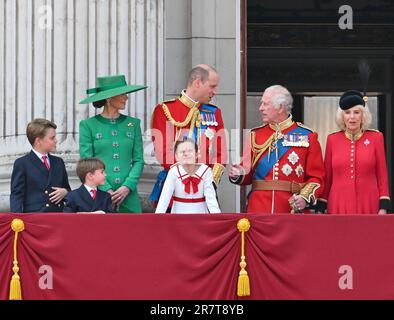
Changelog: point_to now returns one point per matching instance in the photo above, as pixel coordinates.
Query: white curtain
(319, 114)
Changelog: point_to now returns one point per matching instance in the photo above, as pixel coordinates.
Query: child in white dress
(188, 184)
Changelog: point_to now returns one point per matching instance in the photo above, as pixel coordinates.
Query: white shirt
(40, 155)
(89, 189)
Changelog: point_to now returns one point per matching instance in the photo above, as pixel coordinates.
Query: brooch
(286, 169)
(299, 171)
(293, 158)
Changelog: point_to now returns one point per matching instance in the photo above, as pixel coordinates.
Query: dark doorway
(300, 45)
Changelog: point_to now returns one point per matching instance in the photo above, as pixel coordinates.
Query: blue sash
(265, 166)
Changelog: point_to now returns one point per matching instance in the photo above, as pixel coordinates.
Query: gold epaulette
(305, 127)
(153, 112)
(373, 130)
(255, 128)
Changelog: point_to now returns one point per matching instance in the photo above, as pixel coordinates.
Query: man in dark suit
(39, 180)
(88, 198)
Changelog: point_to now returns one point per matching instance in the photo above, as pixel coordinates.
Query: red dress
(356, 173)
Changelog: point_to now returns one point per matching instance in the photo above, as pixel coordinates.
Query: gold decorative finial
(243, 225)
(17, 225)
(243, 286)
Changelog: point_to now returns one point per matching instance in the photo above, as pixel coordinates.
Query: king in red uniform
(282, 160)
(190, 116)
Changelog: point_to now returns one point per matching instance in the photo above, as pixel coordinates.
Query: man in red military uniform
(282, 160)
(191, 116)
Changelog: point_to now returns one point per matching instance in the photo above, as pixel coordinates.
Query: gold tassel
(243, 288)
(17, 226)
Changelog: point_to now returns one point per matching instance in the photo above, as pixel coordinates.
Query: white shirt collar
(89, 188)
(184, 93)
(39, 155)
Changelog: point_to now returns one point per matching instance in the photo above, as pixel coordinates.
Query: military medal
(295, 140)
(209, 122)
(215, 123)
(299, 171)
(203, 122)
(366, 142)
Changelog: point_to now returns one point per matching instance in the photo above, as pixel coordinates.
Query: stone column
(207, 31)
(52, 50)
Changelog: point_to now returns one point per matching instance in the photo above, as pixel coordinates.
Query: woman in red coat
(355, 162)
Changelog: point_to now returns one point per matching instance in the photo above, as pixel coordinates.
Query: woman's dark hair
(179, 142)
(99, 104)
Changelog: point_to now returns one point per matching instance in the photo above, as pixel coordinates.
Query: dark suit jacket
(31, 184)
(80, 200)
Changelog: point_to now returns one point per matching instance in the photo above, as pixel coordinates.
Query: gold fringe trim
(257, 149)
(308, 192)
(177, 123)
(243, 287)
(217, 172)
(17, 226)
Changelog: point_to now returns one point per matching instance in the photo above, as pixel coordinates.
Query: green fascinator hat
(110, 86)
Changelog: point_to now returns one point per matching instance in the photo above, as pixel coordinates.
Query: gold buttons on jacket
(352, 154)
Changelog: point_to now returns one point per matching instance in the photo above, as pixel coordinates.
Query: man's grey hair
(281, 97)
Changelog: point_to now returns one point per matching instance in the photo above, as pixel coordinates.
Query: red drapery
(180, 257)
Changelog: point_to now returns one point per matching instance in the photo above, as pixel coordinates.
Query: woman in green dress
(116, 139)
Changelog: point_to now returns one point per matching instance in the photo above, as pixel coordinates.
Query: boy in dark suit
(88, 198)
(39, 180)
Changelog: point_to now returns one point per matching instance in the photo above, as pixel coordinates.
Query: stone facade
(51, 51)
